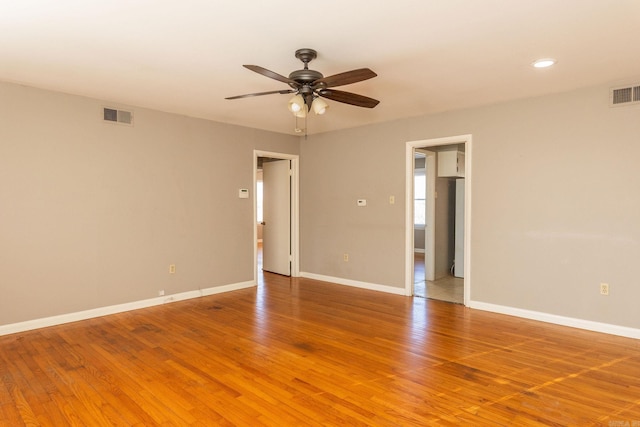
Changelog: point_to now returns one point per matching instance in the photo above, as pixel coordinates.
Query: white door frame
(295, 209)
(409, 243)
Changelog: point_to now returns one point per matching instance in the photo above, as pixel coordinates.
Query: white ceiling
(186, 56)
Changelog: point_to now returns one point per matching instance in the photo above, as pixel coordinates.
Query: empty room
(210, 213)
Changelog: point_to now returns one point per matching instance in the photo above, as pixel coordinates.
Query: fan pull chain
(297, 129)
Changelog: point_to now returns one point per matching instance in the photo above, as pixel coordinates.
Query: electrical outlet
(604, 288)
(172, 269)
(345, 257)
(161, 293)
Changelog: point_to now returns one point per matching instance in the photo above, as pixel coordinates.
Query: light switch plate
(243, 193)
(362, 202)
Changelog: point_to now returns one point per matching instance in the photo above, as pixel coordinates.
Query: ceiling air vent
(625, 95)
(118, 116)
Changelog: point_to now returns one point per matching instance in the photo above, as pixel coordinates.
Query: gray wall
(336, 169)
(555, 207)
(418, 239)
(92, 214)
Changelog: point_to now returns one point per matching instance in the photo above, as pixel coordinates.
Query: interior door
(276, 234)
(458, 270)
(430, 214)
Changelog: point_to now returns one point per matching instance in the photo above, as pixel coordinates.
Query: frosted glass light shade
(296, 104)
(319, 106)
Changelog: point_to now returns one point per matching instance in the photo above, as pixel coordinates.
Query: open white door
(430, 214)
(430, 227)
(276, 238)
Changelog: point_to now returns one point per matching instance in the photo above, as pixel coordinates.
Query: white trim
(295, 209)
(354, 283)
(588, 325)
(418, 251)
(409, 231)
(113, 309)
(409, 155)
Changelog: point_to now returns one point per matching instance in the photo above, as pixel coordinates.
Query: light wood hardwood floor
(298, 352)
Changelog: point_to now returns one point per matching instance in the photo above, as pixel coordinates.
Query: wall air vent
(118, 116)
(627, 95)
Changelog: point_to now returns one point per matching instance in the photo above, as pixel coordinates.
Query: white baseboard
(355, 283)
(418, 251)
(167, 299)
(589, 325)
(227, 288)
(104, 311)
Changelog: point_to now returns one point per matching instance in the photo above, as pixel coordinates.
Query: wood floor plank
(10, 416)
(306, 352)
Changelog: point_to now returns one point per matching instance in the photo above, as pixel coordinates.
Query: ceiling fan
(310, 85)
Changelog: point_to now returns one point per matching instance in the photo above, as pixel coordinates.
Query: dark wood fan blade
(268, 73)
(281, 92)
(348, 98)
(345, 78)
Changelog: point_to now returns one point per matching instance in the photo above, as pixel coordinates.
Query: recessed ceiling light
(544, 63)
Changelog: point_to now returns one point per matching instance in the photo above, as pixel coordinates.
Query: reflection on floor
(448, 288)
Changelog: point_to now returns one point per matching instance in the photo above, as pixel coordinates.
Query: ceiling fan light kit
(309, 86)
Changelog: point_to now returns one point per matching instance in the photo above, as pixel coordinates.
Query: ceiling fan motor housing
(304, 77)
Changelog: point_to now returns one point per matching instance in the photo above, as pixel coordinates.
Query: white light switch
(362, 202)
(243, 193)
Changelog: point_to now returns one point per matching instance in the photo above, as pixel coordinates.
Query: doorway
(283, 246)
(448, 282)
